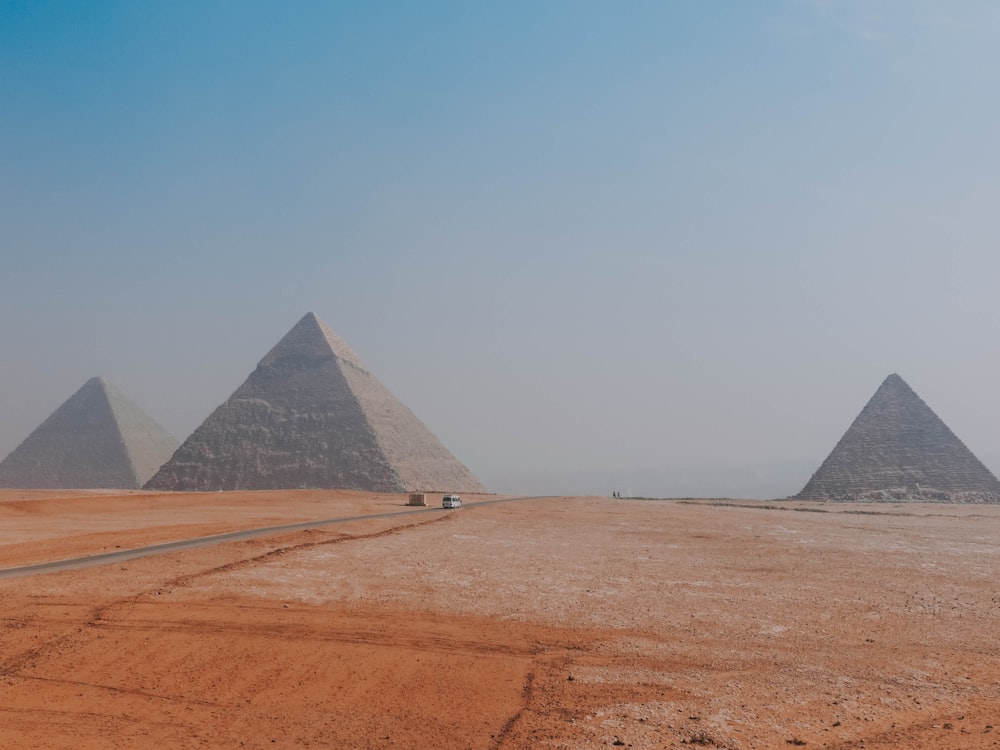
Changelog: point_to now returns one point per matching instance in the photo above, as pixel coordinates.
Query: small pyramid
(97, 439)
(312, 416)
(898, 449)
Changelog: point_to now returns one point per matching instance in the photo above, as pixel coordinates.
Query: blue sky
(670, 246)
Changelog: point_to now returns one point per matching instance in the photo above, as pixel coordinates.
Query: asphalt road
(106, 558)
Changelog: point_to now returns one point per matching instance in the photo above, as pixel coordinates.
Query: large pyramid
(96, 439)
(312, 416)
(898, 449)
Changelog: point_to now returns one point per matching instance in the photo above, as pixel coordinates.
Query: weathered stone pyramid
(898, 449)
(96, 439)
(312, 416)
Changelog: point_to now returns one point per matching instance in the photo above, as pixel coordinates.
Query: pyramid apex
(102, 387)
(894, 386)
(312, 338)
(310, 318)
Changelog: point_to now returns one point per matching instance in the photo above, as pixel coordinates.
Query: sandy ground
(540, 623)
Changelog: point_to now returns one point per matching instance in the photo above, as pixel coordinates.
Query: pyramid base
(908, 495)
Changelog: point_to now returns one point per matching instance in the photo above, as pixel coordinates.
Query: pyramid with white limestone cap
(312, 416)
(98, 438)
(898, 449)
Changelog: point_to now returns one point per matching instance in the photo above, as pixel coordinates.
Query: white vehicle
(451, 501)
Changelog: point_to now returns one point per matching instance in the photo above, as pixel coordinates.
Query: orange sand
(556, 623)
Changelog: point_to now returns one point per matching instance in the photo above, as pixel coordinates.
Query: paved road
(204, 541)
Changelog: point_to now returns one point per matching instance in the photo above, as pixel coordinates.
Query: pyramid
(96, 439)
(898, 449)
(312, 416)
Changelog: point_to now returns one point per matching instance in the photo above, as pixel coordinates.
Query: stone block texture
(898, 449)
(98, 439)
(312, 416)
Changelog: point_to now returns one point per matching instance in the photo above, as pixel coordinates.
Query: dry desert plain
(529, 623)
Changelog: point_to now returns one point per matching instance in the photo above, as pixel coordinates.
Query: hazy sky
(665, 247)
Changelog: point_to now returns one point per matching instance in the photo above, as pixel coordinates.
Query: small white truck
(451, 501)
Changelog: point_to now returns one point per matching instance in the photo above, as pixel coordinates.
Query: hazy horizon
(660, 248)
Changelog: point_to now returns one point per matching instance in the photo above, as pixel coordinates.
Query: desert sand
(528, 623)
